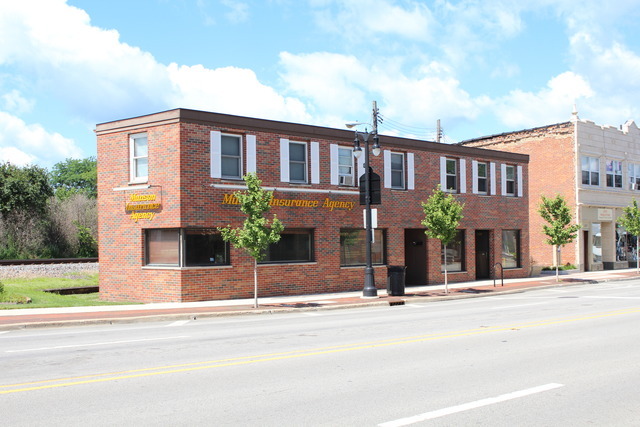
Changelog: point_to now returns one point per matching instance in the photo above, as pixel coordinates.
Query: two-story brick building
(597, 170)
(166, 182)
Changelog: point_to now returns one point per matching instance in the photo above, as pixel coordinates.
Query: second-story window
(297, 161)
(138, 158)
(614, 174)
(510, 180)
(397, 170)
(345, 166)
(590, 170)
(231, 156)
(452, 175)
(634, 176)
(483, 174)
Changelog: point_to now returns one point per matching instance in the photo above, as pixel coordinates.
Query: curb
(265, 310)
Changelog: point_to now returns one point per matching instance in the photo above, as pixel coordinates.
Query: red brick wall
(179, 171)
(551, 172)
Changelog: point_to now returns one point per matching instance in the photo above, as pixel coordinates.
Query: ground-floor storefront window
(185, 247)
(295, 245)
(511, 248)
(353, 247)
(455, 256)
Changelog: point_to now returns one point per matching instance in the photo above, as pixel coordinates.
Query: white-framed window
(634, 176)
(590, 170)
(397, 171)
(231, 156)
(510, 179)
(614, 173)
(482, 177)
(451, 172)
(345, 167)
(297, 161)
(138, 158)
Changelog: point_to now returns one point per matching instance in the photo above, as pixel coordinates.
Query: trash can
(395, 280)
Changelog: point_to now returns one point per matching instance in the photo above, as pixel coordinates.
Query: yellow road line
(245, 360)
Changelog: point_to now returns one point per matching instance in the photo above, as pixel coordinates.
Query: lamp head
(351, 125)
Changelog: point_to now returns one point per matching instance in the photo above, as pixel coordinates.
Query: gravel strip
(47, 270)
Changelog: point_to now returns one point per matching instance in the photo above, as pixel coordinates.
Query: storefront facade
(166, 182)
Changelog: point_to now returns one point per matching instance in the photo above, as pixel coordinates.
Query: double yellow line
(246, 360)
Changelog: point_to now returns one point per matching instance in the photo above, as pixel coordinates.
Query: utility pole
(438, 131)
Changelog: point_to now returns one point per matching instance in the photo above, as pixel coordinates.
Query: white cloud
(552, 104)
(14, 101)
(231, 90)
(362, 19)
(23, 143)
(238, 11)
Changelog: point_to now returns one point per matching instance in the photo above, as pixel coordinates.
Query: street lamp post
(369, 290)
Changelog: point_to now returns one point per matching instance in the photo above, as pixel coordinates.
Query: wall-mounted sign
(230, 199)
(605, 214)
(141, 206)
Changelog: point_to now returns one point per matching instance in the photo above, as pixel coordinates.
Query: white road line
(93, 344)
(178, 323)
(311, 313)
(3, 332)
(519, 305)
(608, 297)
(471, 405)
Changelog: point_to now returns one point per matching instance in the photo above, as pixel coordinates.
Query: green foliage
(87, 244)
(257, 232)
(1, 288)
(555, 211)
(442, 215)
(75, 176)
(630, 219)
(23, 188)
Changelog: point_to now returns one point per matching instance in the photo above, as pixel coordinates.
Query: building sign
(141, 206)
(230, 199)
(605, 214)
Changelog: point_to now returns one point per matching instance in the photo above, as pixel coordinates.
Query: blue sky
(481, 67)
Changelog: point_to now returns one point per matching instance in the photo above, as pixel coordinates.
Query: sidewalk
(72, 316)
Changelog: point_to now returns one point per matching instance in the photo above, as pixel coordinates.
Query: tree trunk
(255, 284)
(446, 284)
(558, 264)
(637, 253)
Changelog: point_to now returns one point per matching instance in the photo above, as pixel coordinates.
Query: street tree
(25, 189)
(75, 176)
(442, 215)
(630, 220)
(561, 229)
(257, 232)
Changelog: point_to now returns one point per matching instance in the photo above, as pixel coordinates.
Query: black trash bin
(395, 280)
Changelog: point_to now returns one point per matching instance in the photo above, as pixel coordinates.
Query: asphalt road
(553, 357)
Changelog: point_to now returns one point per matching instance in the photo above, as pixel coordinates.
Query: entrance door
(415, 257)
(483, 269)
(585, 249)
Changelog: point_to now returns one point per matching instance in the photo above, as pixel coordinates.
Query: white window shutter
(474, 176)
(315, 162)
(520, 183)
(333, 152)
(251, 154)
(411, 178)
(503, 179)
(216, 154)
(443, 173)
(284, 160)
(492, 171)
(463, 176)
(387, 168)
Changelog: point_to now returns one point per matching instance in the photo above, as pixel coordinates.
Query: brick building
(166, 181)
(597, 170)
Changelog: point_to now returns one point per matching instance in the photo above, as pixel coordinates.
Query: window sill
(176, 268)
(362, 266)
(455, 272)
(272, 264)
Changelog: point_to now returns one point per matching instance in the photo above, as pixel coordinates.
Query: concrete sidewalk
(69, 316)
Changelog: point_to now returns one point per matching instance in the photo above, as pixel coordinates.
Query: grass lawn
(21, 289)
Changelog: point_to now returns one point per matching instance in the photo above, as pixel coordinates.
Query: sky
(481, 67)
